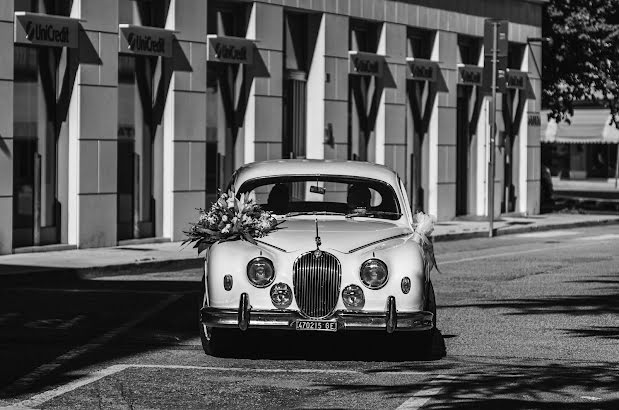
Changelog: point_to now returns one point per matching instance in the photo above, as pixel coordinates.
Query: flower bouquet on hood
(230, 218)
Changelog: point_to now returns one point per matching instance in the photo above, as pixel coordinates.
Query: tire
(215, 341)
(423, 343)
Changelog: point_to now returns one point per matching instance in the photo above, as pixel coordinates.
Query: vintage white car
(346, 257)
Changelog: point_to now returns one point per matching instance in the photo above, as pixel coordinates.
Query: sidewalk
(88, 263)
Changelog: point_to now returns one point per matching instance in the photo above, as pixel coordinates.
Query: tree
(581, 60)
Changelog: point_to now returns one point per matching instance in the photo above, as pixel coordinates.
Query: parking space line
(95, 343)
(420, 398)
(41, 398)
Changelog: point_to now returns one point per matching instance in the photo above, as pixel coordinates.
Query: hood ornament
(317, 252)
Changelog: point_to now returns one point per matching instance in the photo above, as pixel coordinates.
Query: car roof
(271, 168)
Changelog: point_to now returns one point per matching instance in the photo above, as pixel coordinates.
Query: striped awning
(589, 126)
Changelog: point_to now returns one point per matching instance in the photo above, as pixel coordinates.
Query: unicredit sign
(143, 40)
(367, 64)
(46, 30)
(232, 50)
(146, 43)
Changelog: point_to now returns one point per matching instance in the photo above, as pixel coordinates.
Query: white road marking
(503, 254)
(600, 237)
(590, 398)
(95, 343)
(419, 399)
(48, 395)
(39, 399)
(546, 234)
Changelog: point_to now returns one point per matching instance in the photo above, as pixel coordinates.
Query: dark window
(470, 49)
(515, 55)
(420, 43)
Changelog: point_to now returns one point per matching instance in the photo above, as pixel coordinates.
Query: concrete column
(529, 150)
(336, 85)
(263, 118)
(441, 138)
(316, 91)
(184, 120)
(391, 119)
(93, 121)
(6, 127)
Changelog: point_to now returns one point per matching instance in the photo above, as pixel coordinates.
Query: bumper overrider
(244, 317)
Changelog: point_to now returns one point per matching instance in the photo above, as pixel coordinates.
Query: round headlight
(373, 273)
(260, 272)
(281, 295)
(353, 297)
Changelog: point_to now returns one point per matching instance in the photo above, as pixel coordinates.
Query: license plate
(319, 325)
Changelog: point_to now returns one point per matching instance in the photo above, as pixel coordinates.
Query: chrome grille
(317, 284)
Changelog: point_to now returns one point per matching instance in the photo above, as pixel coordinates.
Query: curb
(522, 229)
(60, 274)
(56, 275)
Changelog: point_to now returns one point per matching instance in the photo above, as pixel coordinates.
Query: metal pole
(617, 166)
(36, 229)
(492, 134)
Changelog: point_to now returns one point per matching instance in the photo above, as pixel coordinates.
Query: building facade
(119, 118)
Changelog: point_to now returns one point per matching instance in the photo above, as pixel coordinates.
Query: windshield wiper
(372, 214)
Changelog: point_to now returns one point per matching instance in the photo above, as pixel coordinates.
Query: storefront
(44, 38)
(585, 149)
(144, 55)
(119, 118)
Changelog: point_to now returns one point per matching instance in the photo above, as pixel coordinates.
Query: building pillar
(391, 119)
(262, 130)
(6, 127)
(92, 128)
(529, 149)
(184, 120)
(441, 138)
(335, 106)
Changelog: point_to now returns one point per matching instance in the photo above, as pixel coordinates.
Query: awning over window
(589, 126)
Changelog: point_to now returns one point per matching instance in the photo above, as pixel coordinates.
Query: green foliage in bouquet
(230, 218)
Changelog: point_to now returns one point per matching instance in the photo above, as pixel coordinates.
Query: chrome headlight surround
(374, 273)
(281, 295)
(260, 272)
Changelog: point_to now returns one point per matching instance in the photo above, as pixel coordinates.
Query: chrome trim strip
(379, 241)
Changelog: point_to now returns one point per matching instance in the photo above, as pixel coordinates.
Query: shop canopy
(588, 126)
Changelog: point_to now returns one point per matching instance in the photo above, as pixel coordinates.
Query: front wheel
(215, 341)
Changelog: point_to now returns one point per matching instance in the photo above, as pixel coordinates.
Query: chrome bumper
(244, 317)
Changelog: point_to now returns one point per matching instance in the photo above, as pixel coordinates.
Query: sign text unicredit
(150, 41)
(232, 50)
(369, 64)
(46, 30)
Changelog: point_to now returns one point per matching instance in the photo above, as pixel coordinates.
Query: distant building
(118, 118)
(584, 149)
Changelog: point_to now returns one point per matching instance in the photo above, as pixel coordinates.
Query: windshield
(308, 194)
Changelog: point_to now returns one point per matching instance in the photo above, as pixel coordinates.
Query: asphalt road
(527, 321)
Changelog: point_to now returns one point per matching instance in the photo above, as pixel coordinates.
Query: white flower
(226, 229)
(230, 202)
(224, 218)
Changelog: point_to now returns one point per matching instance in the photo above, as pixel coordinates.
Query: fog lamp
(281, 295)
(260, 272)
(406, 285)
(353, 297)
(228, 282)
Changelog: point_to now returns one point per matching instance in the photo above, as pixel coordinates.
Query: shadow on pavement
(479, 386)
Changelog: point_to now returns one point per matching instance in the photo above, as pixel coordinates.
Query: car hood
(343, 235)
